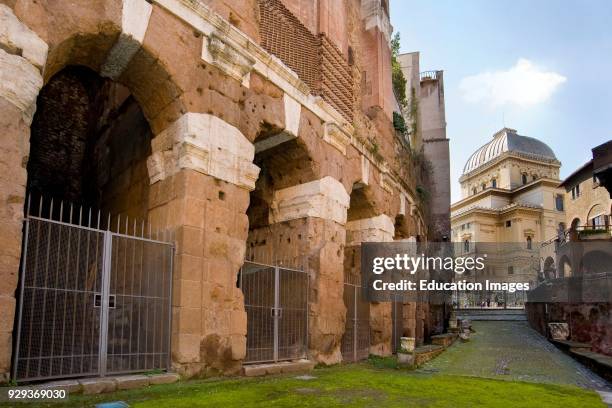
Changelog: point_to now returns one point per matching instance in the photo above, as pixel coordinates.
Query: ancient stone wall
(227, 119)
(588, 322)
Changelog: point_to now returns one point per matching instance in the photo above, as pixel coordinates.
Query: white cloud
(524, 84)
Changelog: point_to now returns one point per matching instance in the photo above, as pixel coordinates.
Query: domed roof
(507, 140)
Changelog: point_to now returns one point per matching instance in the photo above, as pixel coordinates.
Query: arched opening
(87, 174)
(565, 267)
(89, 145)
(275, 277)
(549, 268)
(356, 338)
(596, 261)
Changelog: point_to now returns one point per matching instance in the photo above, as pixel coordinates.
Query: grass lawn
(358, 385)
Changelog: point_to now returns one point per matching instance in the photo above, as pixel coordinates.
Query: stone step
(444, 340)
(98, 385)
(425, 353)
(572, 344)
(492, 314)
(282, 367)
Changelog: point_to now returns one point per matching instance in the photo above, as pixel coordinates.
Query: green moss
(358, 385)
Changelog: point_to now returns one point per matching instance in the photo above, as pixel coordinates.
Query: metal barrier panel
(59, 326)
(347, 347)
(258, 287)
(91, 302)
(355, 344)
(396, 318)
(139, 305)
(276, 303)
(293, 317)
(363, 325)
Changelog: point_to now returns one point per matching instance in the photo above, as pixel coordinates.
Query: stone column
(318, 209)
(22, 57)
(201, 172)
(376, 229)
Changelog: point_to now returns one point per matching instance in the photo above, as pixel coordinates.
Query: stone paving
(512, 350)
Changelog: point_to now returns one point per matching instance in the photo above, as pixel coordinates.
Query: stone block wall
(588, 322)
(212, 96)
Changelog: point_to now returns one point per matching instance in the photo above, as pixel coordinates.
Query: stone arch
(595, 261)
(89, 144)
(564, 267)
(285, 164)
(549, 268)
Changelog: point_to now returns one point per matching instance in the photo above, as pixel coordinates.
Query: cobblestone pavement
(512, 350)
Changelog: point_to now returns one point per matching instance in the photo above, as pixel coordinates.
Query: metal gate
(356, 339)
(398, 324)
(92, 301)
(276, 303)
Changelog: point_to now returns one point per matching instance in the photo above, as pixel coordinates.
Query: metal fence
(276, 303)
(398, 324)
(356, 339)
(93, 300)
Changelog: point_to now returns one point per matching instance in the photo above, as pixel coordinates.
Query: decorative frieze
(134, 22)
(375, 229)
(206, 144)
(325, 198)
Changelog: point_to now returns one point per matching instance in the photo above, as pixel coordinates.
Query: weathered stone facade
(239, 146)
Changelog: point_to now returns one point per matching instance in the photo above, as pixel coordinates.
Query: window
(474, 190)
(484, 186)
(466, 245)
(599, 221)
(575, 191)
(529, 244)
(494, 183)
(524, 178)
(511, 270)
(559, 202)
(508, 224)
(534, 177)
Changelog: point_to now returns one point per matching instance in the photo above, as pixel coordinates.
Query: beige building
(588, 204)
(510, 194)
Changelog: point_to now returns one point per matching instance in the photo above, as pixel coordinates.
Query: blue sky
(541, 67)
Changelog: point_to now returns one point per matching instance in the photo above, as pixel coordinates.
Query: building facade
(510, 199)
(588, 203)
(203, 119)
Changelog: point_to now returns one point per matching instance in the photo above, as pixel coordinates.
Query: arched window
(474, 190)
(524, 176)
(466, 245)
(529, 244)
(534, 177)
(484, 186)
(494, 183)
